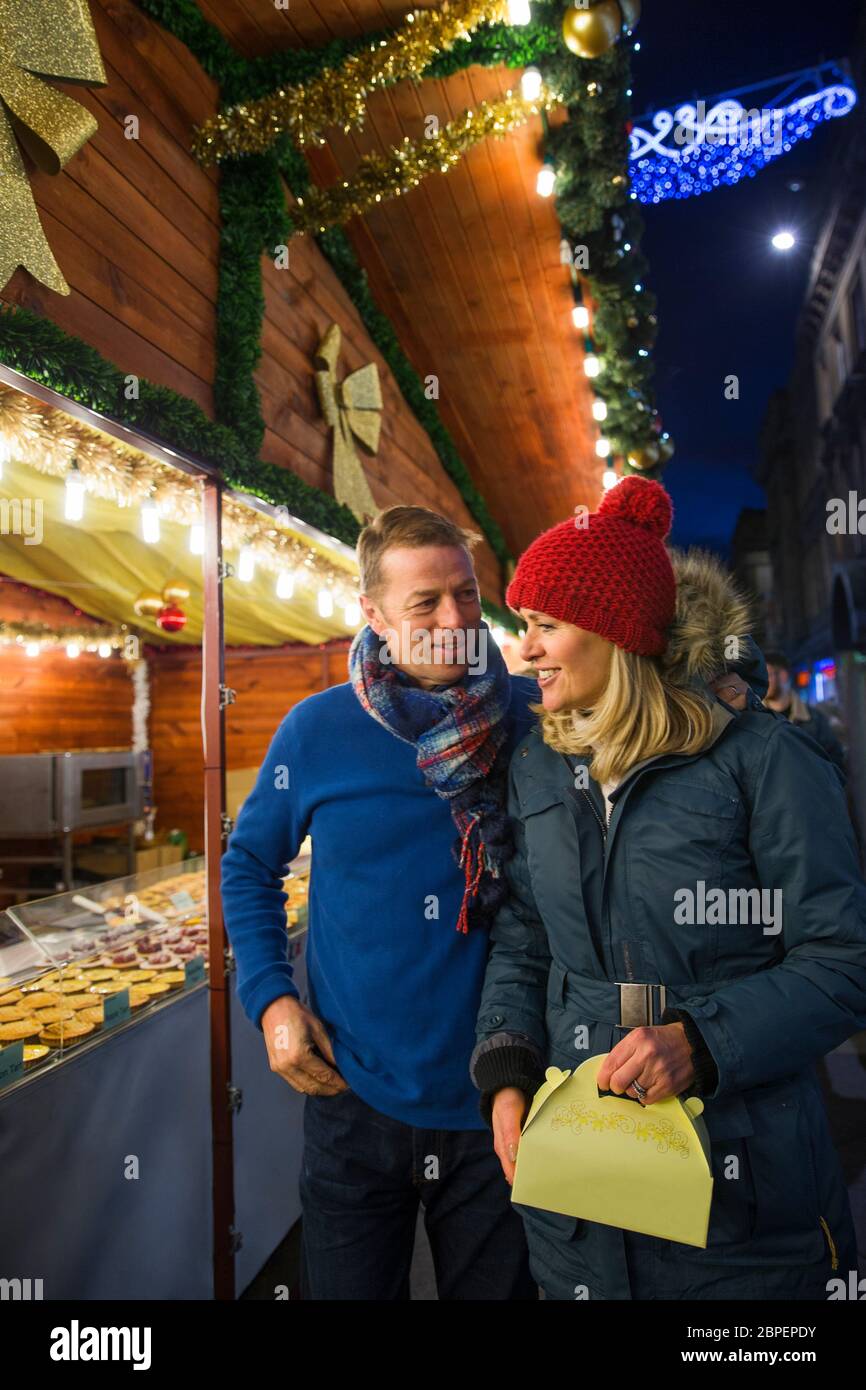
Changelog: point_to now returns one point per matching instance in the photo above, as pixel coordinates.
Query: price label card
(115, 1008)
(11, 1063)
(183, 901)
(194, 972)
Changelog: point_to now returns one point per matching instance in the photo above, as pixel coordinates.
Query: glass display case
(76, 966)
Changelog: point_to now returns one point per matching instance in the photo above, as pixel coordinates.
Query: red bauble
(171, 618)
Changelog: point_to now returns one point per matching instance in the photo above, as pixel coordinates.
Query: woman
(635, 797)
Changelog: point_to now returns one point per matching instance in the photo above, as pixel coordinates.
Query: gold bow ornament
(40, 38)
(352, 407)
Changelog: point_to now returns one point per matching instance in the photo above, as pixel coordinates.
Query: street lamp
(784, 241)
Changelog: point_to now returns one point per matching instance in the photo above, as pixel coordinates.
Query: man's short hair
(404, 526)
(777, 658)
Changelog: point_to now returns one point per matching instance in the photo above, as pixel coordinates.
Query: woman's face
(571, 664)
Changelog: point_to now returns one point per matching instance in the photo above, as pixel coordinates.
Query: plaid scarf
(459, 733)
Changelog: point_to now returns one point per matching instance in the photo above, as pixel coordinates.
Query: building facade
(813, 459)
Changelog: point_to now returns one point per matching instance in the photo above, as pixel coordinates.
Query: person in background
(810, 720)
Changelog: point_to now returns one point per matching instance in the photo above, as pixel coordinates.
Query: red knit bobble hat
(607, 571)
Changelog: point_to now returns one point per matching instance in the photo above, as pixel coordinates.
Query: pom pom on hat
(641, 501)
(608, 572)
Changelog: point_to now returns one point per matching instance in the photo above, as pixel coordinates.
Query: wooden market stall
(206, 386)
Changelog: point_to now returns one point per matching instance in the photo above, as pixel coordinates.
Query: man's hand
(732, 689)
(659, 1058)
(509, 1108)
(299, 1048)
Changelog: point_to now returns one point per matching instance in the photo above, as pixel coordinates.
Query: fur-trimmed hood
(711, 612)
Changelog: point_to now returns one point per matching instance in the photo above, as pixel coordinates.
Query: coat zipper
(593, 808)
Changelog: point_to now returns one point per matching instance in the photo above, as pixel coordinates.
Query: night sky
(727, 302)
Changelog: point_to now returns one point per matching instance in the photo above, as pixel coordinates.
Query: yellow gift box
(607, 1158)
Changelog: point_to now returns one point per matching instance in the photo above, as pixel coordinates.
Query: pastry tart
(44, 998)
(95, 1015)
(18, 1031)
(53, 1015)
(173, 978)
(12, 996)
(78, 1001)
(34, 1052)
(66, 1031)
(13, 1013)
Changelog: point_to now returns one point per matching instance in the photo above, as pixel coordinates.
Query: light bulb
(580, 316)
(73, 649)
(196, 538)
(285, 584)
(518, 12)
(545, 181)
(246, 563)
(74, 495)
(32, 649)
(352, 613)
(784, 241)
(609, 479)
(326, 603)
(104, 649)
(599, 410)
(602, 448)
(530, 84)
(591, 364)
(150, 521)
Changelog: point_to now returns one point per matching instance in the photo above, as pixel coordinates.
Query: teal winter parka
(771, 971)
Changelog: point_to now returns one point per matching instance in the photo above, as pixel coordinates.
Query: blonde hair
(404, 526)
(640, 715)
(655, 705)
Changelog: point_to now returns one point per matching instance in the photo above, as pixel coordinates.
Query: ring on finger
(639, 1089)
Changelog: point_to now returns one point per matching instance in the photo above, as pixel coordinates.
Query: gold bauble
(630, 13)
(175, 591)
(148, 605)
(644, 458)
(666, 448)
(589, 33)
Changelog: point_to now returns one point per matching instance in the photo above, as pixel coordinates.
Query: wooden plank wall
(268, 683)
(134, 224)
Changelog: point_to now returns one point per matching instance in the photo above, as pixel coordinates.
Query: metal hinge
(235, 1097)
(227, 696)
(227, 825)
(236, 1239)
(229, 962)
(226, 571)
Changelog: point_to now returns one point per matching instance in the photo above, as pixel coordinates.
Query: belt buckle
(636, 1004)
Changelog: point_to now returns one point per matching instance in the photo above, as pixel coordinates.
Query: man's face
(780, 682)
(429, 609)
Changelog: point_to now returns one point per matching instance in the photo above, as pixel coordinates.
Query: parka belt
(624, 1004)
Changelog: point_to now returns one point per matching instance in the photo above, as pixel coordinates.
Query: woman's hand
(660, 1059)
(509, 1108)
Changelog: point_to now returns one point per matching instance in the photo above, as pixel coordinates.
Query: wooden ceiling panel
(467, 268)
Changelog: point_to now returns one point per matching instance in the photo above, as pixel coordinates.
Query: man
(782, 698)
(385, 773)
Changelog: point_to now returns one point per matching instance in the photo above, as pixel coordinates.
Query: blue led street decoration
(698, 147)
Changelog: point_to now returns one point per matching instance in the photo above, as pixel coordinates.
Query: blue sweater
(394, 982)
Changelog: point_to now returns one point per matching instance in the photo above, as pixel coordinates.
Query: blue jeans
(362, 1177)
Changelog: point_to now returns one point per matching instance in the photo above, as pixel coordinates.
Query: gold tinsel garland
(379, 177)
(338, 95)
(87, 639)
(47, 440)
